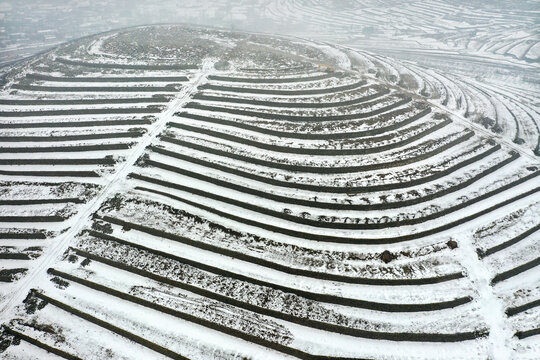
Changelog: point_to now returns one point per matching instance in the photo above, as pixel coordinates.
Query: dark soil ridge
(303, 105)
(75, 124)
(314, 136)
(345, 240)
(329, 189)
(297, 118)
(254, 80)
(311, 203)
(318, 151)
(283, 92)
(320, 169)
(128, 66)
(84, 79)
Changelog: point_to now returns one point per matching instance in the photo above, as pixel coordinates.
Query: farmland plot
(223, 196)
(476, 58)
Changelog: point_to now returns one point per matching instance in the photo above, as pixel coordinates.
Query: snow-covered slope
(180, 192)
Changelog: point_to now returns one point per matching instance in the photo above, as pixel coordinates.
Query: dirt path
(37, 272)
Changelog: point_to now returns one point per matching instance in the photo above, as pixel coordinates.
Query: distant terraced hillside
(474, 27)
(189, 193)
(477, 58)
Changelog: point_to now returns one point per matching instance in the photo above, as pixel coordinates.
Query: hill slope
(181, 192)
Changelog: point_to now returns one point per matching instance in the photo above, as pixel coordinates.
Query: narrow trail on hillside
(113, 184)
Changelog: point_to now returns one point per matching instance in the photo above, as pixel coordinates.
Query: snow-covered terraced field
(512, 116)
(458, 25)
(230, 198)
(477, 59)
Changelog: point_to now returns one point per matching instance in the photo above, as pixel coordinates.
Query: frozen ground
(183, 192)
